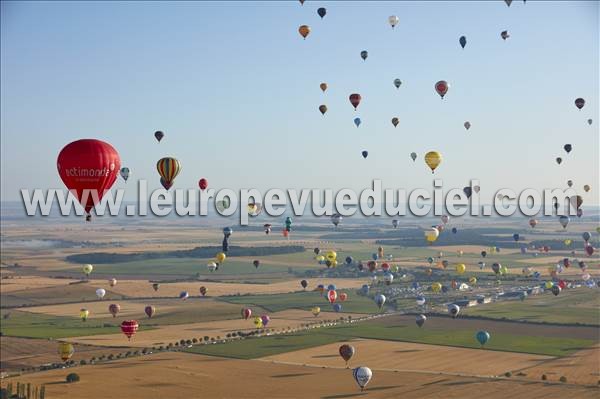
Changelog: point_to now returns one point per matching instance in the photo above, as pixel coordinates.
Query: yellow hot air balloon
(304, 30)
(331, 256)
(549, 284)
(504, 270)
(436, 287)
(380, 253)
(320, 258)
(221, 257)
(65, 350)
(460, 268)
(258, 322)
(87, 269)
(568, 242)
(473, 280)
(315, 311)
(432, 234)
(83, 314)
(168, 168)
(433, 160)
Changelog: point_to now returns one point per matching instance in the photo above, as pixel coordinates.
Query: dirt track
(180, 375)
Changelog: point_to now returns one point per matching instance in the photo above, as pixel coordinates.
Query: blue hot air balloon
(357, 122)
(462, 41)
(337, 307)
(482, 337)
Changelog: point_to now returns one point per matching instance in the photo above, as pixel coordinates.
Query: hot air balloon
(221, 257)
(168, 169)
(183, 295)
(336, 218)
(87, 269)
(555, 290)
(432, 235)
(149, 310)
(203, 291)
(355, 100)
(558, 160)
(158, 135)
(129, 328)
(467, 125)
(112, 282)
(420, 320)
(125, 172)
(346, 352)
(496, 268)
(576, 201)
(388, 278)
(256, 263)
(393, 20)
(357, 122)
(516, 237)
(365, 154)
(468, 191)
(460, 268)
(113, 309)
(483, 254)
(587, 188)
(397, 83)
(462, 41)
(433, 160)
(331, 296)
(246, 313)
(211, 266)
(533, 222)
(364, 54)
(84, 314)
(304, 31)
(589, 250)
(65, 350)
(482, 337)
(304, 284)
(321, 12)
(395, 223)
(454, 230)
(267, 227)
(323, 87)
(586, 236)
(579, 103)
(508, 2)
(100, 292)
(343, 296)
(453, 309)
(564, 221)
(362, 376)
(337, 307)
(315, 311)
(155, 286)
(413, 156)
(590, 121)
(441, 87)
(395, 121)
(203, 184)
(504, 35)
(473, 280)
(265, 320)
(568, 148)
(380, 300)
(349, 260)
(258, 322)
(88, 168)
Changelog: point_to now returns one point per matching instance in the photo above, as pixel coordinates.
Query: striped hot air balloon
(168, 169)
(129, 328)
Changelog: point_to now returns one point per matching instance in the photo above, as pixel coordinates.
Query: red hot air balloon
(355, 100)
(343, 296)
(331, 296)
(246, 313)
(441, 88)
(88, 167)
(203, 291)
(129, 328)
(203, 184)
(589, 250)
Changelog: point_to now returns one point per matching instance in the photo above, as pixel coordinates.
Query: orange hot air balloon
(304, 31)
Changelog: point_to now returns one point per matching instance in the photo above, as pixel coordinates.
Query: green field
(570, 307)
(305, 301)
(49, 295)
(266, 346)
(32, 325)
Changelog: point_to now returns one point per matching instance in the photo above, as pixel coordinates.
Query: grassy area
(305, 301)
(570, 307)
(192, 266)
(259, 347)
(32, 325)
(44, 296)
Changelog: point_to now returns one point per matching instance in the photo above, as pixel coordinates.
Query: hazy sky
(236, 90)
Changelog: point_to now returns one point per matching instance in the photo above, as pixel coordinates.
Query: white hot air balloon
(393, 20)
(100, 292)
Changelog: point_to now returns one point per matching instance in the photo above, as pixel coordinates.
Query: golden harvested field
(138, 288)
(404, 356)
(20, 283)
(18, 353)
(181, 375)
(582, 367)
(170, 333)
